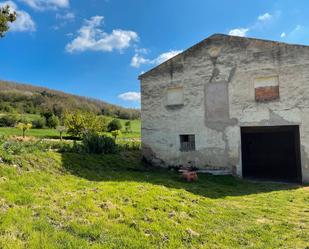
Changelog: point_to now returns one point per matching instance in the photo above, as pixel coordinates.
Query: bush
(79, 122)
(96, 144)
(39, 123)
(129, 145)
(52, 122)
(114, 125)
(9, 120)
(128, 126)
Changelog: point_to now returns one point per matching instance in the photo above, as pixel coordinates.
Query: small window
(187, 142)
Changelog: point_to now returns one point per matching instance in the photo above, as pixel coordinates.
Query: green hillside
(23, 98)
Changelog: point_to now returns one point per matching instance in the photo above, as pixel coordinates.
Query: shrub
(39, 123)
(114, 125)
(52, 122)
(129, 145)
(96, 144)
(128, 126)
(9, 120)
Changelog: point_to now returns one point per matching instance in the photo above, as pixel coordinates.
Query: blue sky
(97, 48)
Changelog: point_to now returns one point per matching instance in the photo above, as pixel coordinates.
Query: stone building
(230, 105)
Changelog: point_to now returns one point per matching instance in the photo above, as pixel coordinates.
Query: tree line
(22, 98)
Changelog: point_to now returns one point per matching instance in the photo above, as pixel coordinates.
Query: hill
(24, 98)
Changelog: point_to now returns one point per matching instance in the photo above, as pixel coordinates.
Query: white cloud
(130, 96)
(91, 37)
(23, 21)
(139, 60)
(283, 34)
(47, 4)
(265, 17)
(69, 16)
(166, 56)
(239, 32)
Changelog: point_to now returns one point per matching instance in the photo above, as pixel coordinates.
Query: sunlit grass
(53, 200)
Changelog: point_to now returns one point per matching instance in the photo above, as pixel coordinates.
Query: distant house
(230, 105)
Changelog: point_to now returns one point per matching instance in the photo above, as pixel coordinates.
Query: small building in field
(230, 105)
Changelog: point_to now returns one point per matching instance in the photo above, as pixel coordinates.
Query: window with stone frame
(187, 143)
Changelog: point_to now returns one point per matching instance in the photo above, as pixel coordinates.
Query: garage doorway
(271, 153)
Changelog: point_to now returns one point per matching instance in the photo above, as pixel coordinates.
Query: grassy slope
(53, 200)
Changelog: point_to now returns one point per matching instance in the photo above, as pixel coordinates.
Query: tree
(80, 122)
(114, 125)
(116, 133)
(52, 122)
(24, 127)
(128, 126)
(6, 17)
(61, 130)
(39, 123)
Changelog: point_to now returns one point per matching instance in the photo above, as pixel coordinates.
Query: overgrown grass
(68, 200)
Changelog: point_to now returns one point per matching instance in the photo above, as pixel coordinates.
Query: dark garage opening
(271, 153)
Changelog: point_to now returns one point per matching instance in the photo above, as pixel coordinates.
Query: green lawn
(52, 133)
(41, 133)
(53, 200)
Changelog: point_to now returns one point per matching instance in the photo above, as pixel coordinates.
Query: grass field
(40, 133)
(53, 200)
(52, 133)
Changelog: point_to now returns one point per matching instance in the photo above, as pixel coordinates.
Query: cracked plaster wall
(234, 62)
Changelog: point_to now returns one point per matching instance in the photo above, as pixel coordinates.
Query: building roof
(222, 37)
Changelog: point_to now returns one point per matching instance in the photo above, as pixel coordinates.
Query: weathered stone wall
(218, 80)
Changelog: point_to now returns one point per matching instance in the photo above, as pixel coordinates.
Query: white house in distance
(230, 104)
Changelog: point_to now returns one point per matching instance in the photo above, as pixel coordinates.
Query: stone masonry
(214, 88)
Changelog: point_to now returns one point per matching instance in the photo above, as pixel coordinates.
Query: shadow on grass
(128, 167)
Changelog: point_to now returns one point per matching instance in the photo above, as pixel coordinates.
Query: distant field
(42, 133)
(52, 133)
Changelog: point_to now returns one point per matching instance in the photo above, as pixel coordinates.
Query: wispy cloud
(92, 37)
(130, 96)
(260, 22)
(265, 17)
(24, 22)
(298, 34)
(139, 59)
(47, 4)
(68, 16)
